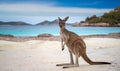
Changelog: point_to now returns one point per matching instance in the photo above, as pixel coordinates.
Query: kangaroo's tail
(85, 57)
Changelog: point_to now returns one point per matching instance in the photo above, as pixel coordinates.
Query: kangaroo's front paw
(59, 64)
(70, 66)
(62, 49)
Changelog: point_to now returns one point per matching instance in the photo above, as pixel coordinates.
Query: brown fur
(75, 45)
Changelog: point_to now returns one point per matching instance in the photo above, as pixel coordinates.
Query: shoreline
(78, 24)
(55, 38)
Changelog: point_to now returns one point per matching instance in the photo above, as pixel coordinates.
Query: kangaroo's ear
(66, 18)
(59, 19)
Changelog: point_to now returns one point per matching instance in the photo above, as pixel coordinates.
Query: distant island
(109, 19)
(46, 22)
(14, 23)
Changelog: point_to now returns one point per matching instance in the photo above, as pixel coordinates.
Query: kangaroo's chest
(64, 37)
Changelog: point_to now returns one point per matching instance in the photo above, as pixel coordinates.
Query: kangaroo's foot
(70, 66)
(64, 64)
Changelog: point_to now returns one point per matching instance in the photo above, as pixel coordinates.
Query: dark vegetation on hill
(112, 17)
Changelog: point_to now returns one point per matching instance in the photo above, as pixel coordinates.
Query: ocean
(34, 30)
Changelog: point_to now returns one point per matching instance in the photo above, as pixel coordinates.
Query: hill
(111, 18)
(46, 22)
(13, 23)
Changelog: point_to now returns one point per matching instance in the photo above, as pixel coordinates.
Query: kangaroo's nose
(60, 26)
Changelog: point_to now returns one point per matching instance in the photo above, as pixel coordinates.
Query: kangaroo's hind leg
(72, 65)
(71, 61)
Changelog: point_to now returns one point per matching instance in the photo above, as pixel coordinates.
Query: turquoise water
(54, 29)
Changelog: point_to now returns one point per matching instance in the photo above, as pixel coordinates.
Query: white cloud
(39, 12)
(46, 8)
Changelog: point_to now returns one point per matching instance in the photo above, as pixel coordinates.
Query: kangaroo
(75, 45)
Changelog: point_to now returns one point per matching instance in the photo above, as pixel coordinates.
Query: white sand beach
(40, 55)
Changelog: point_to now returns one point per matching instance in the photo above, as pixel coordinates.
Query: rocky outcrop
(45, 35)
(6, 35)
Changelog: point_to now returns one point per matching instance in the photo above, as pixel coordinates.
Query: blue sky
(35, 11)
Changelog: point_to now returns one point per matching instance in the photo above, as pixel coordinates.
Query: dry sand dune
(40, 55)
